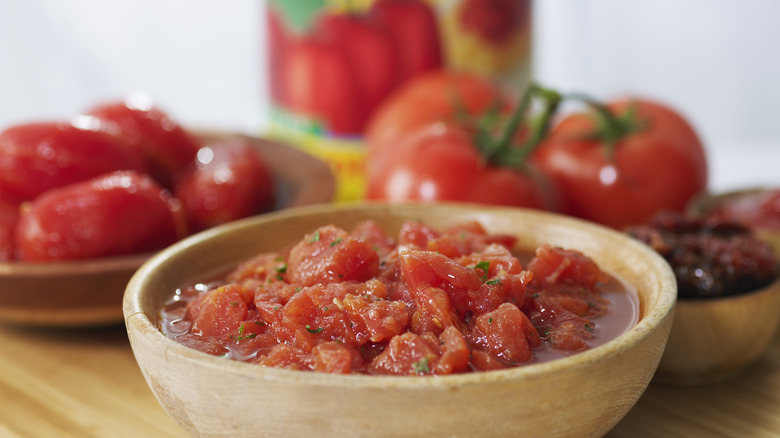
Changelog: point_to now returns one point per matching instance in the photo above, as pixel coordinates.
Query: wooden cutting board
(85, 383)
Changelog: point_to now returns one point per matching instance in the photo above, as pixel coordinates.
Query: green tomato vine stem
(610, 128)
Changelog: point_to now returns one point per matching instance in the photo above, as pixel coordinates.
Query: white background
(717, 61)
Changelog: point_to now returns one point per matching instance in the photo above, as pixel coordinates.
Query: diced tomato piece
(434, 311)
(221, 311)
(563, 329)
(380, 319)
(214, 346)
(556, 265)
(248, 346)
(407, 354)
(369, 231)
(265, 266)
(336, 358)
(284, 356)
(508, 334)
(330, 255)
(454, 352)
(416, 235)
(484, 361)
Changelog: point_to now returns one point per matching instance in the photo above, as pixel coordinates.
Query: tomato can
(332, 63)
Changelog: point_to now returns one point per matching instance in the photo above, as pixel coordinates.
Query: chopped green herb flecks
(483, 266)
(313, 330)
(315, 237)
(493, 281)
(421, 366)
(335, 242)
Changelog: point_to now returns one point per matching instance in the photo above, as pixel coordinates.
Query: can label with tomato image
(332, 63)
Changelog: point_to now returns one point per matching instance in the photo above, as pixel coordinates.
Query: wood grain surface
(85, 383)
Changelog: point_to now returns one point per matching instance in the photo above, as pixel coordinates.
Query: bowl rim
(708, 201)
(73, 267)
(136, 319)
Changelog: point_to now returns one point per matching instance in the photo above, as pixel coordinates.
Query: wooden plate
(89, 293)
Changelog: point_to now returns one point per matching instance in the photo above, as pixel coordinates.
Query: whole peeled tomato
(115, 214)
(437, 96)
(441, 163)
(9, 215)
(36, 157)
(229, 180)
(620, 170)
(166, 145)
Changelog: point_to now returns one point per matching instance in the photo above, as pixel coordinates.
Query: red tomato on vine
(623, 163)
(437, 96)
(463, 160)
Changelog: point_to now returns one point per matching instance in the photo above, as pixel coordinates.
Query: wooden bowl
(89, 293)
(582, 395)
(714, 340)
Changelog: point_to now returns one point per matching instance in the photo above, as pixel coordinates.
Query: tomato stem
(502, 152)
(541, 125)
(611, 128)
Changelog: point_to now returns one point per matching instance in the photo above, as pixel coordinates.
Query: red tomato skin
(371, 52)
(277, 46)
(36, 157)
(440, 163)
(414, 29)
(660, 167)
(228, 181)
(432, 97)
(320, 84)
(670, 123)
(166, 145)
(117, 213)
(9, 215)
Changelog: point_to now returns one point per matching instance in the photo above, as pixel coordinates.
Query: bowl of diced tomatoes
(444, 319)
(84, 201)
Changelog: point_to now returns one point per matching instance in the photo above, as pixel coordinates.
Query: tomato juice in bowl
(427, 302)
(583, 394)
